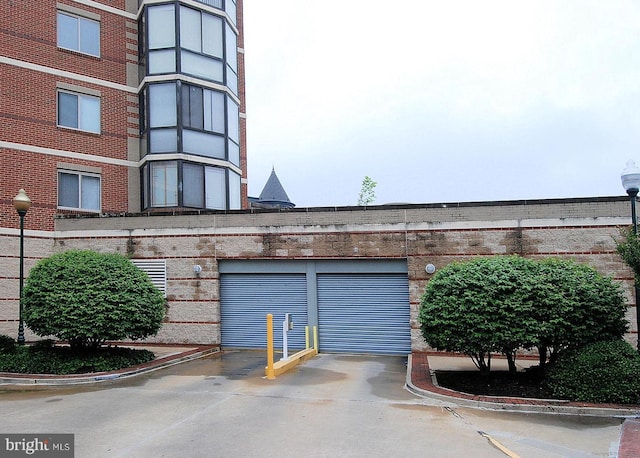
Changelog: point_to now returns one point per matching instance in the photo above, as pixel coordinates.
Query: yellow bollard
(315, 338)
(270, 372)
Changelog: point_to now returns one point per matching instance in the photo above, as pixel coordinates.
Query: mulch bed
(526, 384)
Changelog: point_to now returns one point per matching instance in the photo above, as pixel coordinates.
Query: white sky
(442, 100)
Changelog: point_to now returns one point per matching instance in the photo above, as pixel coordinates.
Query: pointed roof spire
(273, 193)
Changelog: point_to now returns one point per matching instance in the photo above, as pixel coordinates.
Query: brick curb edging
(22, 380)
(420, 380)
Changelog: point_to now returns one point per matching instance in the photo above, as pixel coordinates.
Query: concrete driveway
(331, 406)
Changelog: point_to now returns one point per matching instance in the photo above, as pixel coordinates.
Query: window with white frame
(79, 111)
(78, 191)
(78, 34)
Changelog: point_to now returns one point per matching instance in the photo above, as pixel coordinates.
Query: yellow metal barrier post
(270, 372)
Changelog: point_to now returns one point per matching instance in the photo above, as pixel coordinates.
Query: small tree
(502, 304)
(367, 192)
(575, 306)
(629, 250)
(481, 307)
(87, 298)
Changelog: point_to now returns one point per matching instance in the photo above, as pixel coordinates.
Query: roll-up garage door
(247, 298)
(364, 313)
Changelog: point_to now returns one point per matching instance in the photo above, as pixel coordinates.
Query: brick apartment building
(119, 106)
(124, 122)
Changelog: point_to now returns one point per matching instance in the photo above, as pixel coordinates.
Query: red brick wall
(30, 117)
(28, 105)
(29, 34)
(37, 174)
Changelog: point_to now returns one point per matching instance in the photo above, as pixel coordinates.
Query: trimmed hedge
(43, 358)
(600, 372)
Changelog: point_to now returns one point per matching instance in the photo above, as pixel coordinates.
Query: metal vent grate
(156, 269)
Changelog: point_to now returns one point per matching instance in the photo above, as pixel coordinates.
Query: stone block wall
(422, 235)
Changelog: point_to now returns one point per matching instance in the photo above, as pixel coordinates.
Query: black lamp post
(21, 203)
(631, 182)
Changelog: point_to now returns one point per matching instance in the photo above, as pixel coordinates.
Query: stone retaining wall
(582, 229)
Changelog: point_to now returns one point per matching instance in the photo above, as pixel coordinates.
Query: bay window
(191, 185)
(189, 109)
(207, 118)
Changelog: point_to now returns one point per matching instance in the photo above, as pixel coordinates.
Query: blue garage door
(364, 313)
(247, 298)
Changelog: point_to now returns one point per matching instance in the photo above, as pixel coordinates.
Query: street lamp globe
(631, 178)
(21, 202)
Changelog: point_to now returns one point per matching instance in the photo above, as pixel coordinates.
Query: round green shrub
(576, 306)
(503, 303)
(87, 298)
(480, 307)
(600, 372)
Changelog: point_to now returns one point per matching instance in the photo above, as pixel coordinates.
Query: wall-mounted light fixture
(197, 269)
(430, 268)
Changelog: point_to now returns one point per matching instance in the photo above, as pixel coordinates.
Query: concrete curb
(10, 380)
(419, 383)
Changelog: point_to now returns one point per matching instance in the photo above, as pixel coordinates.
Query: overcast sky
(442, 101)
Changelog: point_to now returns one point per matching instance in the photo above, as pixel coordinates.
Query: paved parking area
(333, 405)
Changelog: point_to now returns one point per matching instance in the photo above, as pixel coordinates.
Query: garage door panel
(350, 336)
(246, 299)
(359, 307)
(364, 313)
